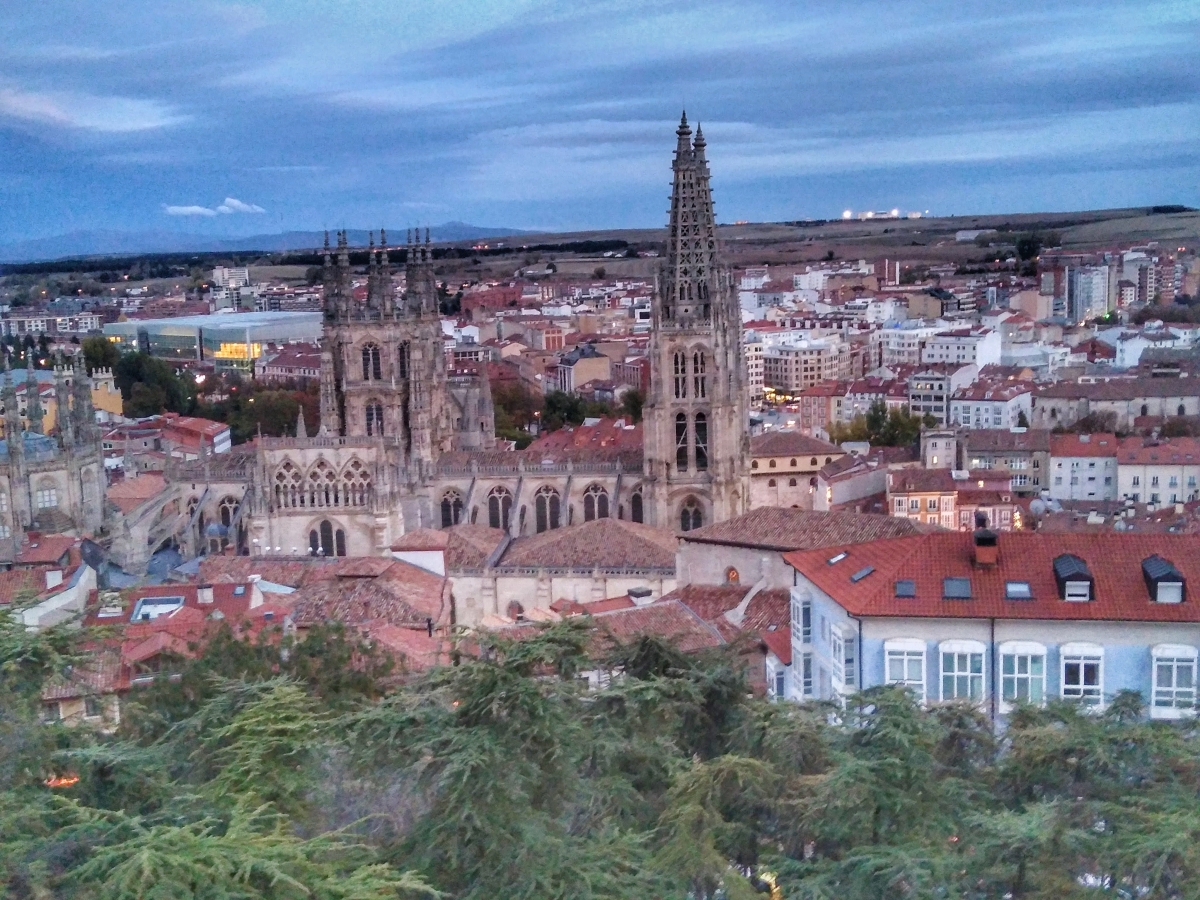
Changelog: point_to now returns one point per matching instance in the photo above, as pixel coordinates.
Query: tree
(598, 272)
(160, 385)
(99, 353)
(1022, 419)
(632, 402)
(882, 427)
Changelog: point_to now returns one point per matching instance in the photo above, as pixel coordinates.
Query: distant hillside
(110, 243)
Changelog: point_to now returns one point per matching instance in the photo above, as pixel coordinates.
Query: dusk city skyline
(234, 119)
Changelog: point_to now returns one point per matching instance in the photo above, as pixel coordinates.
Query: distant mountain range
(120, 243)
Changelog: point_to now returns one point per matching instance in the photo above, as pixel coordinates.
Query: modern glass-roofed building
(230, 340)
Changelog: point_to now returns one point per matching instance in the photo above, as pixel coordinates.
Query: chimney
(641, 596)
(987, 551)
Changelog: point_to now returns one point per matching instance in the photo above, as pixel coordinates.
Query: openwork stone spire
(688, 283)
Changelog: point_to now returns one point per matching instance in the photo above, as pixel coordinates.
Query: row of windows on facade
(793, 464)
(322, 486)
(372, 362)
(1022, 676)
(548, 509)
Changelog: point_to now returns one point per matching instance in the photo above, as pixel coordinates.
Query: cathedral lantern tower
(696, 421)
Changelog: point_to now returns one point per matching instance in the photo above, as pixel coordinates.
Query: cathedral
(51, 473)
(405, 443)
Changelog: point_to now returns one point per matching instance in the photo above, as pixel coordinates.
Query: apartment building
(992, 405)
(963, 346)
(931, 389)
(789, 368)
(1083, 467)
(1158, 471)
(1023, 452)
(754, 370)
(998, 620)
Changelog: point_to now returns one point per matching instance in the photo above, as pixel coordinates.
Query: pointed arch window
(227, 510)
(287, 486)
(635, 507)
(374, 418)
(691, 516)
(547, 509)
(403, 359)
(499, 508)
(322, 485)
(372, 364)
(701, 427)
(681, 442)
(595, 503)
(452, 508)
(325, 540)
(699, 379)
(680, 376)
(356, 484)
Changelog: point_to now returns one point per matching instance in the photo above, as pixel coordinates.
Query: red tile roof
(1178, 451)
(423, 539)
(1083, 445)
(133, 492)
(602, 543)
(791, 443)
(779, 642)
(1115, 561)
(778, 528)
(44, 549)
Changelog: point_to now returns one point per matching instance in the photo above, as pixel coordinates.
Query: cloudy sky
(242, 118)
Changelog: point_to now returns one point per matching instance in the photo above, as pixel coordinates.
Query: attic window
(1164, 582)
(906, 588)
(1017, 590)
(861, 574)
(837, 559)
(239, 590)
(1073, 577)
(956, 588)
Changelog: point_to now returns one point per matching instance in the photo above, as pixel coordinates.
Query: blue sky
(241, 118)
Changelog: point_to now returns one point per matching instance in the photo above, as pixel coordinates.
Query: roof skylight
(833, 560)
(956, 588)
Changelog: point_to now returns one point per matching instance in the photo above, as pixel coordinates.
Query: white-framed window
(806, 621)
(961, 669)
(904, 663)
(1022, 672)
(806, 674)
(837, 653)
(777, 683)
(3, 501)
(46, 498)
(1082, 668)
(1174, 681)
(849, 661)
(5, 531)
(1078, 591)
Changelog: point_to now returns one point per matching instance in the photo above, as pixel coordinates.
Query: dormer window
(1164, 582)
(1074, 579)
(1078, 591)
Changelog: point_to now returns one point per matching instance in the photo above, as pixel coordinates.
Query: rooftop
(602, 543)
(1114, 561)
(779, 528)
(1083, 445)
(791, 443)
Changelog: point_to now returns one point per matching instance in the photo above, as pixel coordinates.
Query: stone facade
(403, 443)
(51, 482)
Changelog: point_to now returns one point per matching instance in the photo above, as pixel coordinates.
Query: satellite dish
(93, 554)
(1037, 507)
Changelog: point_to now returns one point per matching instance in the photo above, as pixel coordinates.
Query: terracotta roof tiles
(602, 543)
(1114, 560)
(777, 528)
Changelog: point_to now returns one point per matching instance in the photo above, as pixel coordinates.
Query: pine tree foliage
(309, 770)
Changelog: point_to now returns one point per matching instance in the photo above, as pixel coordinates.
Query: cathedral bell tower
(696, 422)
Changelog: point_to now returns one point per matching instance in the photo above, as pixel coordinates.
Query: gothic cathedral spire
(696, 423)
